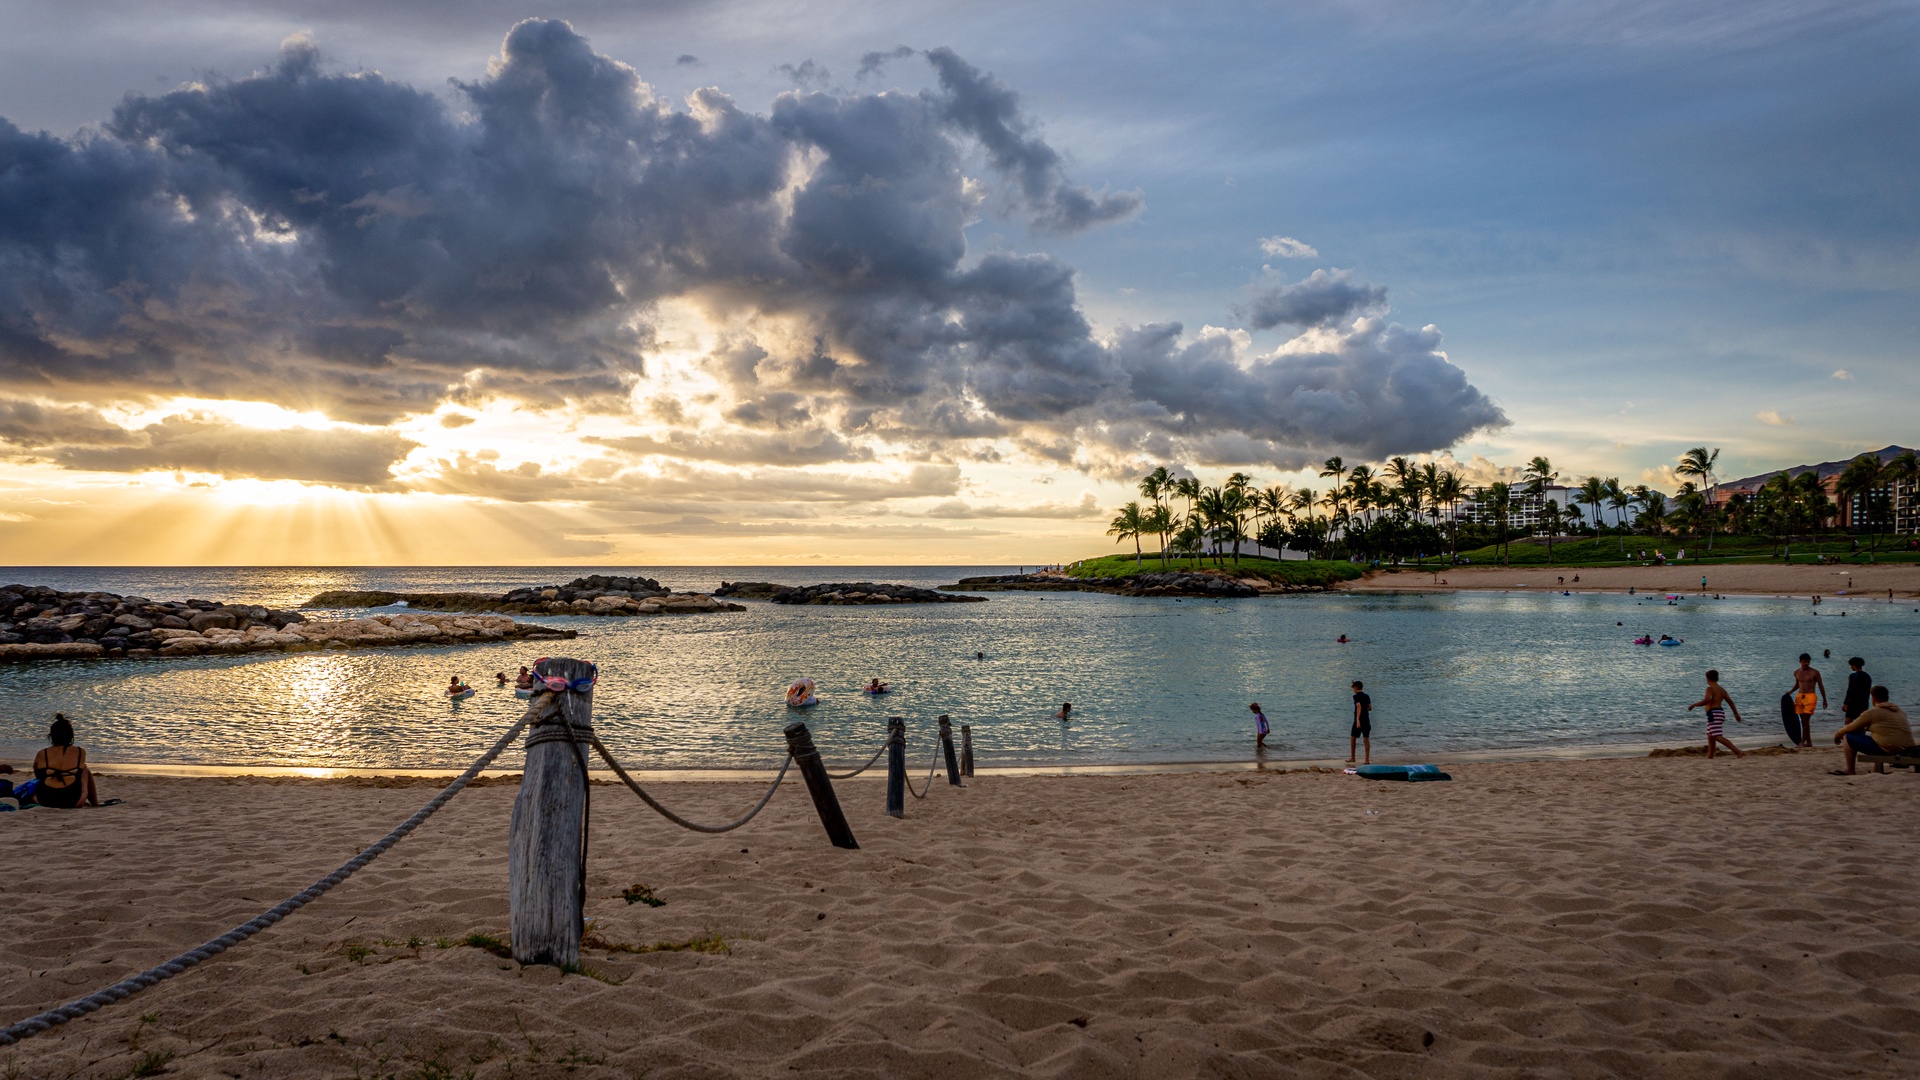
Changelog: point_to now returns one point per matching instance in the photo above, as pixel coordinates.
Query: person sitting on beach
(1717, 702)
(65, 782)
(1066, 710)
(1260, 727)
(1882, 729)
(524, 681)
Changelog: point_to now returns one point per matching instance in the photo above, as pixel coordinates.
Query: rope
(928, 786)
(676, 818)
(863, 768)
(125, 988)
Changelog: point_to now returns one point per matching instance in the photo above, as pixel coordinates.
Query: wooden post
(547, 838)
(966, 749)
(946, 746)
(896, 767)
(800, 744)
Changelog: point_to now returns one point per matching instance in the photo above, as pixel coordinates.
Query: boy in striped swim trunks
(1717, 702)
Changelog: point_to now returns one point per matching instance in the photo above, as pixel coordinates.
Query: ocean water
(1151, 680)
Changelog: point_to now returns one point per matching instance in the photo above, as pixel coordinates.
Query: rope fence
(550, 722)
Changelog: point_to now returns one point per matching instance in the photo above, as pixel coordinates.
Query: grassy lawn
(1288, 572)
(1733, 550)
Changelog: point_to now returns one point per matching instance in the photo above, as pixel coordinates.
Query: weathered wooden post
(946, 746)
(546, 841)
(800, 744)
(896, 766)
(966, 749)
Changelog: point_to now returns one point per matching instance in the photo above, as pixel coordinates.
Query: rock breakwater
(1177, 583)
(593, 595)
(39, 623)
(854, 592)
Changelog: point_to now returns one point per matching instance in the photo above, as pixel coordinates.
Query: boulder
(133, 622)
(205, 620)
(183, 646)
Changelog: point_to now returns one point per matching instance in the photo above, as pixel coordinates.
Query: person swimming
(1065, 713)
(876, 687)
(979, 656)
(455, 686)
(1342, 639)
(525, 680)
(500, 677)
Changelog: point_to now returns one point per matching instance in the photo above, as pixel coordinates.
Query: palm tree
(1813, 506)
(1160, 521)
(1900, 473)
(1498, 498)
(1856, 487)
(1619, 500)
(1593, 492)
(1448, 488)
(1156, 485)
(1539, 477)
(1698, 463)
(1268, 504)
(1234, 505)
(1129, 522)
(1336, 469)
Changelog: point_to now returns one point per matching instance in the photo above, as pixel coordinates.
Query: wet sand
(1649, 917)
(1831, 582)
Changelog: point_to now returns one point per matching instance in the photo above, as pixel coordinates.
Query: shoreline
(693, 774)
(1869, 583)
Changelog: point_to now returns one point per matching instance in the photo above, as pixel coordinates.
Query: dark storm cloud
(1322, 298)
(344, 242)
(32, 425)
(341, 456)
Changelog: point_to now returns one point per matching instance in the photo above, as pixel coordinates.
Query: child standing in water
(1260, 728)
(1717, 702)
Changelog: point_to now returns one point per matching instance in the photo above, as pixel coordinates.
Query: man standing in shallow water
(1809, 692)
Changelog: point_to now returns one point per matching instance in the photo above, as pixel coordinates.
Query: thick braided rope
(126, 988)
(676, 818)
(928, 786)
(863, 768)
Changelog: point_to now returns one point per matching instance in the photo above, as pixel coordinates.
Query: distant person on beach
(1717, 702)
(1882, 729)
(1859, 690)
(1809, 694)
(1362, 723)
(64, 781)
(1260, 727)
(1066, 712)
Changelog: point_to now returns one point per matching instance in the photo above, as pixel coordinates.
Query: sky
(730, 283)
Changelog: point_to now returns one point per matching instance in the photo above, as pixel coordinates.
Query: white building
(1525, 510)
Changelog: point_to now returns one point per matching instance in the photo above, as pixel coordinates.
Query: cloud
(342, 456)
(956, 509)
(1772, 416)
(345, 243)
(686, 60)
(1844, 375)
(32, 424)
(1286, 247)
(1322, 298)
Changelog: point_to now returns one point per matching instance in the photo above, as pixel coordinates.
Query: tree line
(1405, 509)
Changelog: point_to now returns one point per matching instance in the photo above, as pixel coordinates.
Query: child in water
(1066, 708)
(1260, 727)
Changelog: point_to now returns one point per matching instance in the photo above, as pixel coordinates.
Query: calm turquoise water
(1151, 680)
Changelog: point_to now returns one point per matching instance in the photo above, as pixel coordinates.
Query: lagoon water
(1151, 680)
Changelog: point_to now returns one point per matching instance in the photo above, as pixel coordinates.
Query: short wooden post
(946, 747)
(546, 840)
(800, 744)
(966, 749)
(896, 767)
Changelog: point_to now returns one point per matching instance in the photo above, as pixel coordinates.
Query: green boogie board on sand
(1402, 772)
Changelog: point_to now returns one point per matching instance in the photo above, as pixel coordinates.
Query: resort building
(1525, 510)
(1853, 511)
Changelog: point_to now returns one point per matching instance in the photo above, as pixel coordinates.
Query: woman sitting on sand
(65, 780)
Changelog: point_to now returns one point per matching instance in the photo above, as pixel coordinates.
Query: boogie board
(1790, 719)
(1401, 772)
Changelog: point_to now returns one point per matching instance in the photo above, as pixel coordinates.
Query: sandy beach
(1636, 917)
(1830, 582)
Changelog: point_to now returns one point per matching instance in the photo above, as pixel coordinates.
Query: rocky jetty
(593, 595)
(1178, 583)
(853, 592)
(39, 623)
